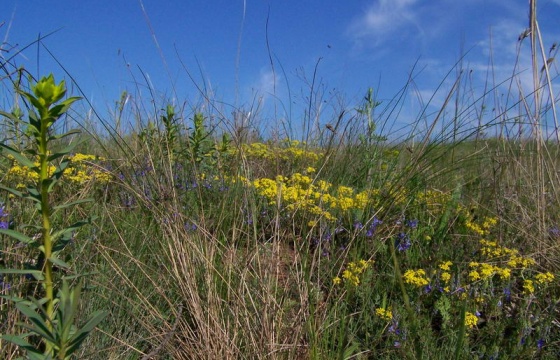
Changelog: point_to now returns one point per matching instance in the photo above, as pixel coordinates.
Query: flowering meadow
(183, 238)
(258, 250)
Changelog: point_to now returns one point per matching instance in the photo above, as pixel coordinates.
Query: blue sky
(108, 47)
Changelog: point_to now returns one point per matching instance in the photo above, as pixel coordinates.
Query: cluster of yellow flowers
(81, 170)
(471, 320)
(300, 192)
(445, 275)
(23, 175)
(484, 228)
(492, 250)
(434, 201)
(510, 258)
(289, 150)
(353, 272)
(78, 172)
(539, 279)
(482, 271)
(384, 314)
(416, 277)
(528, 286)
(502, 262)
(543, 278)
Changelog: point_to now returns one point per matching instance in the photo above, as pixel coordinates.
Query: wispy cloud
(497, 74)
(383, 19)
(267, 83)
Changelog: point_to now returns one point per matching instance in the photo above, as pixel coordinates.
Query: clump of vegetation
(50, 321)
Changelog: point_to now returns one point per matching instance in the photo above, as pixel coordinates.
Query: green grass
(190, 262)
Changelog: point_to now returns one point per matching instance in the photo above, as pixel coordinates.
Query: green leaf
(67, 150)
(29, 303)
(12, 191)
(60, 244)
(72, 277)
(82, 333)
(41, 328)
(35, 273)
(18, 236)
(10, 116)
(67, 310)
(60, 136)
(58, 110)
(18, 156)
(34, 122)
(33, 195)
(59, 262)
(55, 178)
(32, 352)
(63, 206)
(73, 227)
(50, 182)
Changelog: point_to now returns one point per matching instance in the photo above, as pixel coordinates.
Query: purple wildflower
(540, 343)
(190, 226)
(507, 293)
(4, 285)
(403, 242)
(373, 226)
(338, 229)
(4, 223)
(413, 224)
(394, 328)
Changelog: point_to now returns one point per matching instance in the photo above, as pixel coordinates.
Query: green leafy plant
(52, 319)
(199, 140)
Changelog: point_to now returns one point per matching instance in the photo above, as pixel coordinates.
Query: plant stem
(411, 315)
(46, 231)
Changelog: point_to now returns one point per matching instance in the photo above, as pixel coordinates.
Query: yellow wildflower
(415, 277)
(504, 273)
(528, 286)
(474, 275)
(384, 314)
(471, 320)
(445, 265)
(351, 277)
(544, 278)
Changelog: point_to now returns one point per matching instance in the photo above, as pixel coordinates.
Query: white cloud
(267, 83)
(383, 19)
(505, 79)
